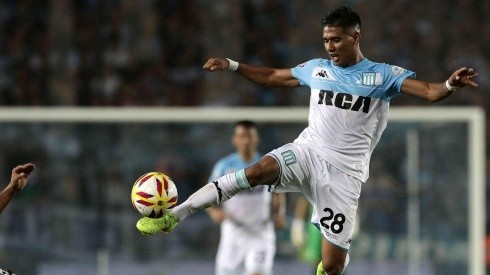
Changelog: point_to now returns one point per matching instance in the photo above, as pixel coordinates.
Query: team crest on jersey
(289, 157)
(322, 73)
(397, 70)
(371, 79)
(368, 79)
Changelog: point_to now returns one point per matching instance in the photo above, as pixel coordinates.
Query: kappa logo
(322, 73)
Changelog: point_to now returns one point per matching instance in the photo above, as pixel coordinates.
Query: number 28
(338, 221)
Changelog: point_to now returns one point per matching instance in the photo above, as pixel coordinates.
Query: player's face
(245, 139)
(341, 45)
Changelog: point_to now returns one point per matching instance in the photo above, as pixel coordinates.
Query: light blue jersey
(248, 241)
(231, 163)
(238, 209)
(348, 109)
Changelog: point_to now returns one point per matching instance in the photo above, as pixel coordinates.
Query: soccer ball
(154, 193)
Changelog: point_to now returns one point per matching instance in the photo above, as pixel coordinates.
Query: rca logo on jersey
(322, 73)
(344, 101)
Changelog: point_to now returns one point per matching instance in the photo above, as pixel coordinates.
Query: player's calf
(332, 267)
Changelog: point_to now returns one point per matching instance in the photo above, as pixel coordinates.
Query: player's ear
(357, 37)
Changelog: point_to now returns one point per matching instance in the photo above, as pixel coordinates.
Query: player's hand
(18, 179)
(298, 233)
(463, 77)
(214, 64)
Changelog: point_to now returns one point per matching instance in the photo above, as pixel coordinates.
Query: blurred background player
(18, 180)
(329, 161)
(248, 241)
(305, 237)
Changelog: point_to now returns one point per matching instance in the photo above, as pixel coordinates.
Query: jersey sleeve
(303, 71)
(394, 79)
(218, 171)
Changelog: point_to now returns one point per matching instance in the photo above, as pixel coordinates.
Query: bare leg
(333, 258)
(266, 171)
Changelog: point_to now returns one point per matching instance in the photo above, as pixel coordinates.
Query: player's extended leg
(334, 259)
(266, 171)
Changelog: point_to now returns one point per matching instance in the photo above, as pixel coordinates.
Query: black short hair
(246, 123)
(342, 16)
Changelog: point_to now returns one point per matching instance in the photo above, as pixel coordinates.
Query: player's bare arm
(435, 92)
(269, 77)
(18, 181)
(279, 210)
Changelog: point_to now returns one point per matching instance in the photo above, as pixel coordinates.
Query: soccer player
(329, 161)
(18, 180)
(248, 241)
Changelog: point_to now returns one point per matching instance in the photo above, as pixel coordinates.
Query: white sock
(213, 193)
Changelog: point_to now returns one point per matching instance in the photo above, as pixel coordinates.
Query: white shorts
(244, 251)
(333, 194)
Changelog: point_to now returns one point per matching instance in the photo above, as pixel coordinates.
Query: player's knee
(266, 171)
(333, 267)
(255, 174)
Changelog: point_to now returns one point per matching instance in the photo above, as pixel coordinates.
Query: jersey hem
(326, 156)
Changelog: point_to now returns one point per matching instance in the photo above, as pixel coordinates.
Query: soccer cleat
(320, 270)
(149, 226)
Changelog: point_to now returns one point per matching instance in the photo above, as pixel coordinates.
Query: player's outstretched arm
(435, 92)
(269, 77)
(18, 181)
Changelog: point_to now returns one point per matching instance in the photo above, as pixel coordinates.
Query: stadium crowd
(150, 53)
(118, 53)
